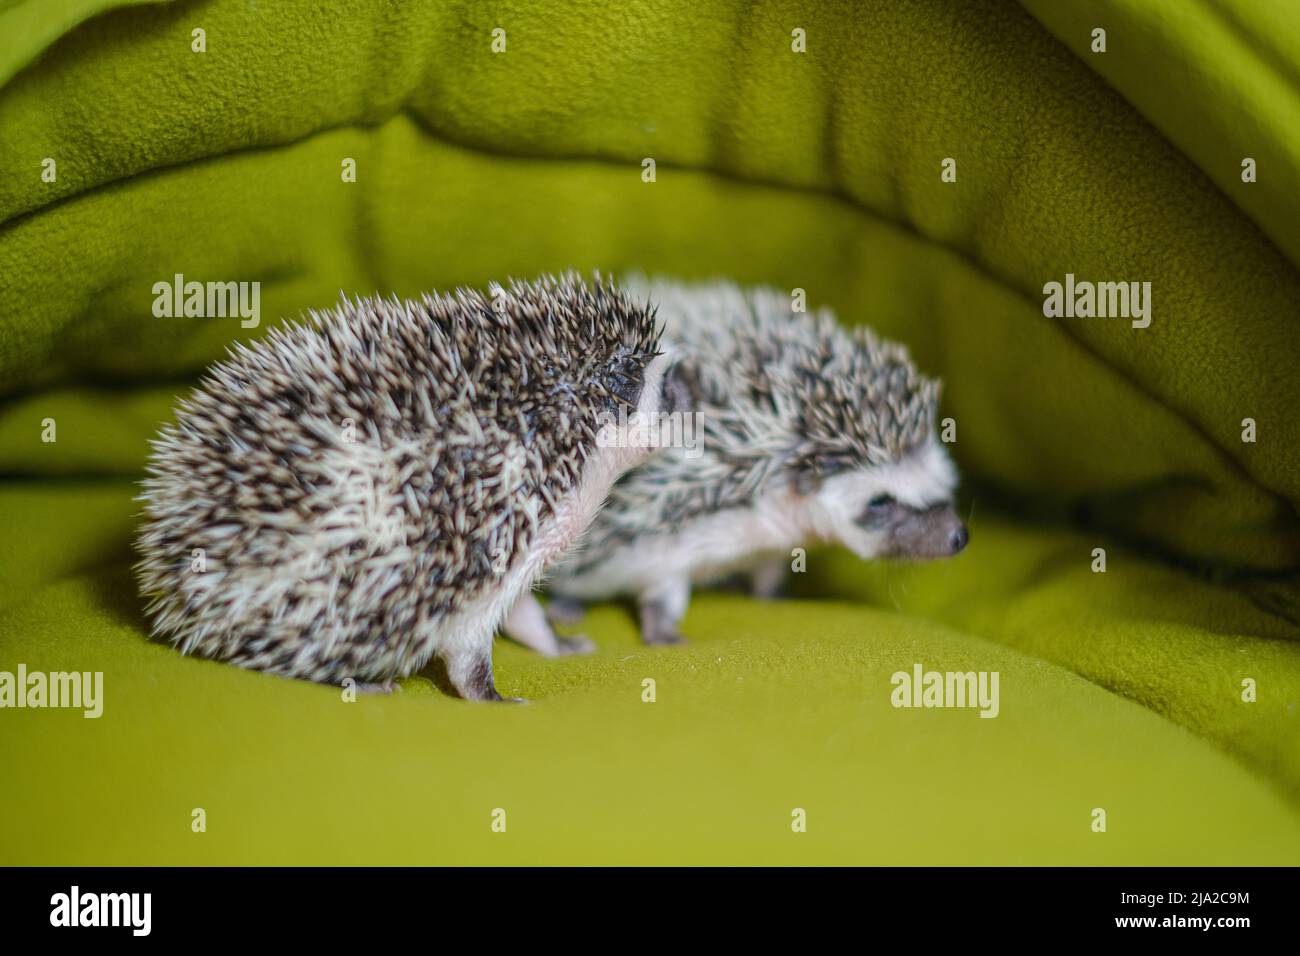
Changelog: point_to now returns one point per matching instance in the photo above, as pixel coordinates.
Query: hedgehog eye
(625, 381)
(877, 511)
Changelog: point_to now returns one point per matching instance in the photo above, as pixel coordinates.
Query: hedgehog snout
(958, 539)
(925, 533)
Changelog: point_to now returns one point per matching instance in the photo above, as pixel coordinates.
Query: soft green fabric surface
(818, 171)
(772, 707)
(1218, 77)
(862, 119)
(27, 28)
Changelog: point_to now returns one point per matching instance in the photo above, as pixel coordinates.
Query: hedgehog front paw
(577, 644)
(382, 687)
(665, 638)
(491, 696)
(768, 580)
(564, 612)
(661, 612)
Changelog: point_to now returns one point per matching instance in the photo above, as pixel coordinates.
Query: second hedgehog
(352, 497)
(810, 432)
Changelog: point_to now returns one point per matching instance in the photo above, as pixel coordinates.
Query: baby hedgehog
(349, 497)
(808, 431)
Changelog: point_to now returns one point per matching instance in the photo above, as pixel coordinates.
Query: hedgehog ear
(678, 390)
(807, 481)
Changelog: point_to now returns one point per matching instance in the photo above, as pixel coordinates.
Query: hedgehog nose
(958, 539)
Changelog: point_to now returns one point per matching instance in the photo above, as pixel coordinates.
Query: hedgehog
(808, 432)
(375, 487)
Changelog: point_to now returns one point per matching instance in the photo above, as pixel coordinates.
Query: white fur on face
(924, 478)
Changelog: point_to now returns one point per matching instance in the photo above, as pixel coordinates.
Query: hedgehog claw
(492, 697)
(382, 687)
(577, 644)
(668, 638)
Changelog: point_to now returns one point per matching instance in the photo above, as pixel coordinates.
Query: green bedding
(820, 170)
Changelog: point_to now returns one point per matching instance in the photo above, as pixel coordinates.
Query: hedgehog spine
(811, 432)
(379, 485)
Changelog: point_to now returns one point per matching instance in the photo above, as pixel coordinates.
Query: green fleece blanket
(927, 167)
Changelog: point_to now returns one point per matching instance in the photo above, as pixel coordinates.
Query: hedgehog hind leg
(662, 607)
(564, 611)
(469, 671)
(529, 625)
